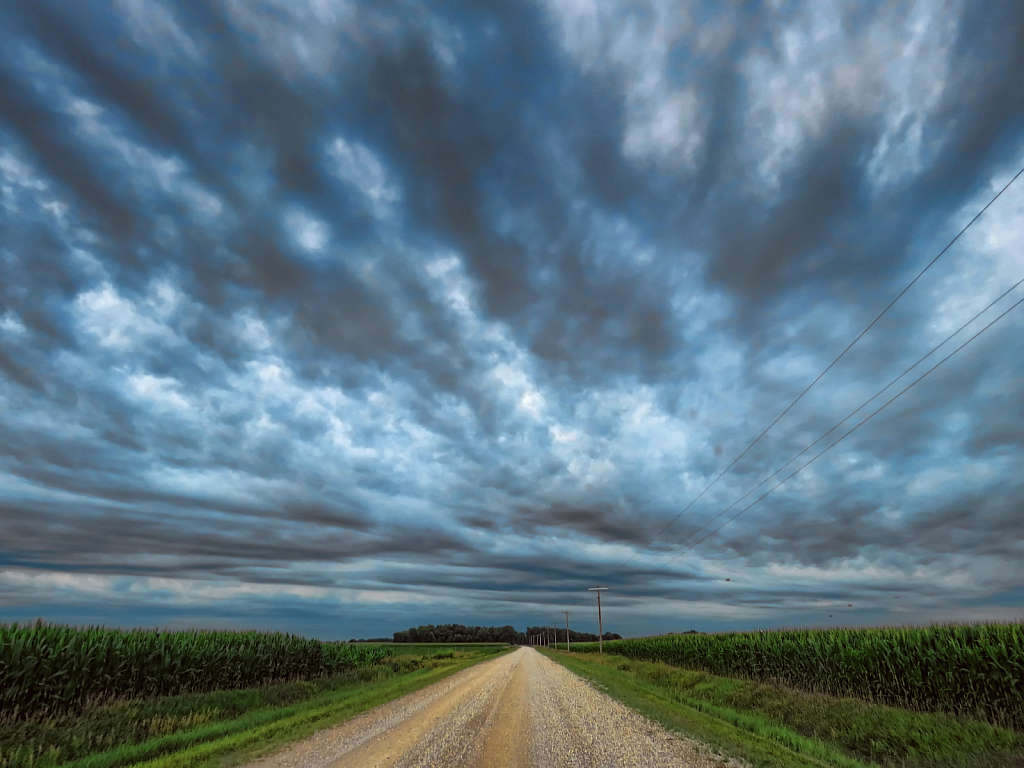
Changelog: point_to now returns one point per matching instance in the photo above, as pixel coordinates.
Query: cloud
(314, 311)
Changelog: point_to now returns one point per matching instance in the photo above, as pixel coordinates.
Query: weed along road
(519, 710)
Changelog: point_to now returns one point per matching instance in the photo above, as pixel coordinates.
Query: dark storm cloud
(239, 97)
(827, 208)
(464, 158)
(475, 300)
(199, 540)
(452, 150)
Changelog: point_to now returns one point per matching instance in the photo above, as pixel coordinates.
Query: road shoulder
(290, 733)
(761, 750)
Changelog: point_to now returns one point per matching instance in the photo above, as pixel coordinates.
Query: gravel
(517, 711)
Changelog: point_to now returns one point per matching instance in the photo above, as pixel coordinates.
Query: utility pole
(600, 626)
(554, 636)
(567, 646)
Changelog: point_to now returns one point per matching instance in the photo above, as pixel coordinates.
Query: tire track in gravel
(517, 711)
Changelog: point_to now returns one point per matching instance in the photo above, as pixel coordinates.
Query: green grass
(972, 670)
(773, 725)
(429, 650)
(193, 728)
(48, 669)
(249, 744)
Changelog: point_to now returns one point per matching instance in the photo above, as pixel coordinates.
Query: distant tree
(458, 633)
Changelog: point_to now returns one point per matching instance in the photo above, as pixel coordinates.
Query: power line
(830, 366)
(600, 624)
(860, 424)
(846, 418)
(854, 412)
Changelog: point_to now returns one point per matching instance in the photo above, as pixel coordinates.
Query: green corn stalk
(971, 670)
(49, 669)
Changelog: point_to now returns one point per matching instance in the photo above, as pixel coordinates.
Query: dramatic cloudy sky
(340, 317)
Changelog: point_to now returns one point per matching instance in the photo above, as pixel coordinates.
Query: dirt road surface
(520, 710)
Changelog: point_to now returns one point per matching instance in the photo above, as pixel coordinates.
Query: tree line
(460, 633)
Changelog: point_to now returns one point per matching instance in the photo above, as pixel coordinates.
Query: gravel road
(516, 711)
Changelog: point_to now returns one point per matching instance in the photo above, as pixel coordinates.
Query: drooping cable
(830, 366)
(832, 445)
(920, 360)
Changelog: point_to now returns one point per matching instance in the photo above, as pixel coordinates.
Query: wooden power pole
(600, 626)
(567, 646)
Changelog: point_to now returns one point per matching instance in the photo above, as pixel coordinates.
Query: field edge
(236, 747)
(864, 733)
(247, 746)
(759, 744)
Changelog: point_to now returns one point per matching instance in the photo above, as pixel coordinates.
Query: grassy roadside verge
(777, 727)
(253, 740)
(219, 728)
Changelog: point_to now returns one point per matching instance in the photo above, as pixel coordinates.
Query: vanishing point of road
(520, 710)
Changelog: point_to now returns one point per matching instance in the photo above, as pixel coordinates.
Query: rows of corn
(48, 669)
(974, 671)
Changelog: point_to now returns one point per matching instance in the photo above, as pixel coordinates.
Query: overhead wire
(852, 413)
(830, 366)
(815, 381)
(832, 445)
(844, 420)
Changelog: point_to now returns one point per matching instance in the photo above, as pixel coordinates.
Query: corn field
(974, 671)
(49, 670)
